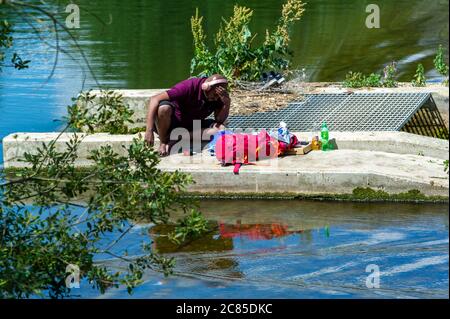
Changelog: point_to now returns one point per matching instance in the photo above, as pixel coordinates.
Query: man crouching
(190, 100)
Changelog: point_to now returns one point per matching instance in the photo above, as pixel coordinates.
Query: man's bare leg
(163, 122)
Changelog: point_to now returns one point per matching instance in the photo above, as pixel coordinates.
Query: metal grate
(346, 112)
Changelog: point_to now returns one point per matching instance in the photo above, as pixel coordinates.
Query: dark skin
(161, 116)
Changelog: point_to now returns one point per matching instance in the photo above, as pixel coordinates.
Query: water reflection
(271, 249)
(256, 231)
(207, 243)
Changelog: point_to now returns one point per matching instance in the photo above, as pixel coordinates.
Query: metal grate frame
(350, 112)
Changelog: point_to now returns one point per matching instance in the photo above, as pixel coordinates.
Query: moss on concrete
(413, 195)
(359, 194)
(17, 172)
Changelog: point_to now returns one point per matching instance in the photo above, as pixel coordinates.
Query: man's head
(214, 86)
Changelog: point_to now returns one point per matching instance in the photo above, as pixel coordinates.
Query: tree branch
(63, 27)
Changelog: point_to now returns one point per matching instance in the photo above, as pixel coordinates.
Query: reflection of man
(189, 100)
(207, 242)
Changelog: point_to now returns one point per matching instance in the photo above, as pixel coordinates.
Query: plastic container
(315, 143)
(324, 134)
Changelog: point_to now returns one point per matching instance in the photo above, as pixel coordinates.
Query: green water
(149, 43)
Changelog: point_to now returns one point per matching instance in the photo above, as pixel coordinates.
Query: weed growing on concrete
(234, 55)
(419, 78)
(390, 71)
(368, 194)
(359, 80)
(440, 65)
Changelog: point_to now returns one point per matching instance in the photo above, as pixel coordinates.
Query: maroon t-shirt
(190, 101)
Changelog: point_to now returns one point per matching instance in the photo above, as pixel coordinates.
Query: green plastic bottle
(324, 134)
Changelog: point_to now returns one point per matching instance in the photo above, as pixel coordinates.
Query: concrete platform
(394, 162)
(336, 172)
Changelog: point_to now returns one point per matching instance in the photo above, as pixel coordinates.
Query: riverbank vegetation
(359, 194)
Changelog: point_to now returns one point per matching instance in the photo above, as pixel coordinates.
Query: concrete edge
(16, 144)
(211, 181)
(306, 183)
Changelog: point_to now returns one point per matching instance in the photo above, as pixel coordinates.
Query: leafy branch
(106, 112)
(57, 26)
(41, 228)
(6, 41)
(42, 234)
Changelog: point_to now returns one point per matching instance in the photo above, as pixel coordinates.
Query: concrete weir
(394, 162)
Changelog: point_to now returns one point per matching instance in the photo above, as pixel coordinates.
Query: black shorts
(175, 122)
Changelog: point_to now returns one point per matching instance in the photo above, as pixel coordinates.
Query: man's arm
(151, 115)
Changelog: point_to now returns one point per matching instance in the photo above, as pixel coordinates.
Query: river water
(301, 249)
(261, 249)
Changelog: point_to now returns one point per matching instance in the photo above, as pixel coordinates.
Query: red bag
(239, 149)
(283, 147)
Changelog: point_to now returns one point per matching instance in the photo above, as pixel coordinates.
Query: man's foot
(164, 149)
